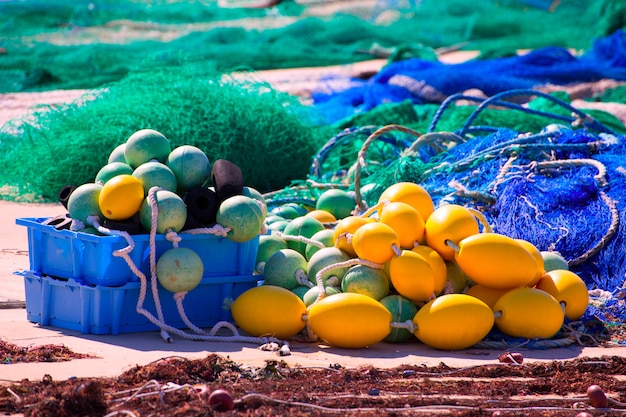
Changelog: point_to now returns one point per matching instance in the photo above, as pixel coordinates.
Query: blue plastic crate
(72, 305)
(89, 258)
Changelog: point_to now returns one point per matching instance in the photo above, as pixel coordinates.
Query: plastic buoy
(350, 320)
(529, 313)
(339, 203)
(172, 212)
(375, 242)
(269, 311)
(449, 223)
(401, 309)
(243, 215)
(326, 257)
(156, 174)
(179, 270)
(362, 279)
(453, 322)
(412, 194)
(190, 165)
(496, 261)
(412, 276)
(83, 202)
(227, 179)
(145, 145)
(281, 268)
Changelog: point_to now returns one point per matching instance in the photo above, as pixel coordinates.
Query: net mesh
(559, 186)
(271, 135)
(85, 44)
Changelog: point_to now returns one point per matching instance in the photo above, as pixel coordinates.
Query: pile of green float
(149, 188)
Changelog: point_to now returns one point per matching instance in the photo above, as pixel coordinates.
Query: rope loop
(363, 151)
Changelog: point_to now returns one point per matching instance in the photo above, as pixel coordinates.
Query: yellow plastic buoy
(529, 313)
(412, 276)
(450, 222)
(496, 261)
(375, 242)
(269, 310)
(323, 216)
(350, 320)
(406, 221)
(568, 288)
(345, 228)
(412, 194)
(486, 294)
(440, 270)
(453, 321)
(121, 197)
(536, 253)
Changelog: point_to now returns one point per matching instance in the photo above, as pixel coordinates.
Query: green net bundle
(83, 44)
(270, 135)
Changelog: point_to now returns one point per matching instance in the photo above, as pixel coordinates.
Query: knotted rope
(159, 321)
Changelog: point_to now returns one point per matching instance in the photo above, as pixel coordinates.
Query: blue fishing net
(422, 81)
(561, 188)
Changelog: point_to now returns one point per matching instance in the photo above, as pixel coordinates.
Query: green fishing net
(85, 44)
(270, 135)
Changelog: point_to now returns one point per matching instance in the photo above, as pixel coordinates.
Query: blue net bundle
(561, 188)
(425, 81)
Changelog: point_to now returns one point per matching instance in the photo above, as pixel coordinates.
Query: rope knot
(173, 237)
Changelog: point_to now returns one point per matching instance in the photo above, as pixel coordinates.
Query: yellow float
(536, 254)
(486, 294)
(501, 269)
(375, 242)
(406, 221)
(569, 289)
(412, 194)
(412, 276)
(529, 313)
(345, 228)
(350, 320)
(440, 270)
(322, 215)
(121, 197)
(453, 321)
(449, 223)
(496, 261)
(269, 310)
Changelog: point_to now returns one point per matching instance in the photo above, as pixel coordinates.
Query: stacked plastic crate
(76, 282)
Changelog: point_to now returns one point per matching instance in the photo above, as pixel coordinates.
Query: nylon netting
(269, 134)
(561, 186)
(423, 81)
(86, 44)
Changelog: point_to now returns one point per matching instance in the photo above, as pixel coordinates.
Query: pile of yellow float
(403, 268)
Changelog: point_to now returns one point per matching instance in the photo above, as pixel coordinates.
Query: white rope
(302, 278)
(217, 230)
(298, 238)
(408, 325)
(179, 297)
(350, 262)
(153, 278)
(200, 335)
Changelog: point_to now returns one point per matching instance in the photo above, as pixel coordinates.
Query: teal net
(271, 135)
(85, 44)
